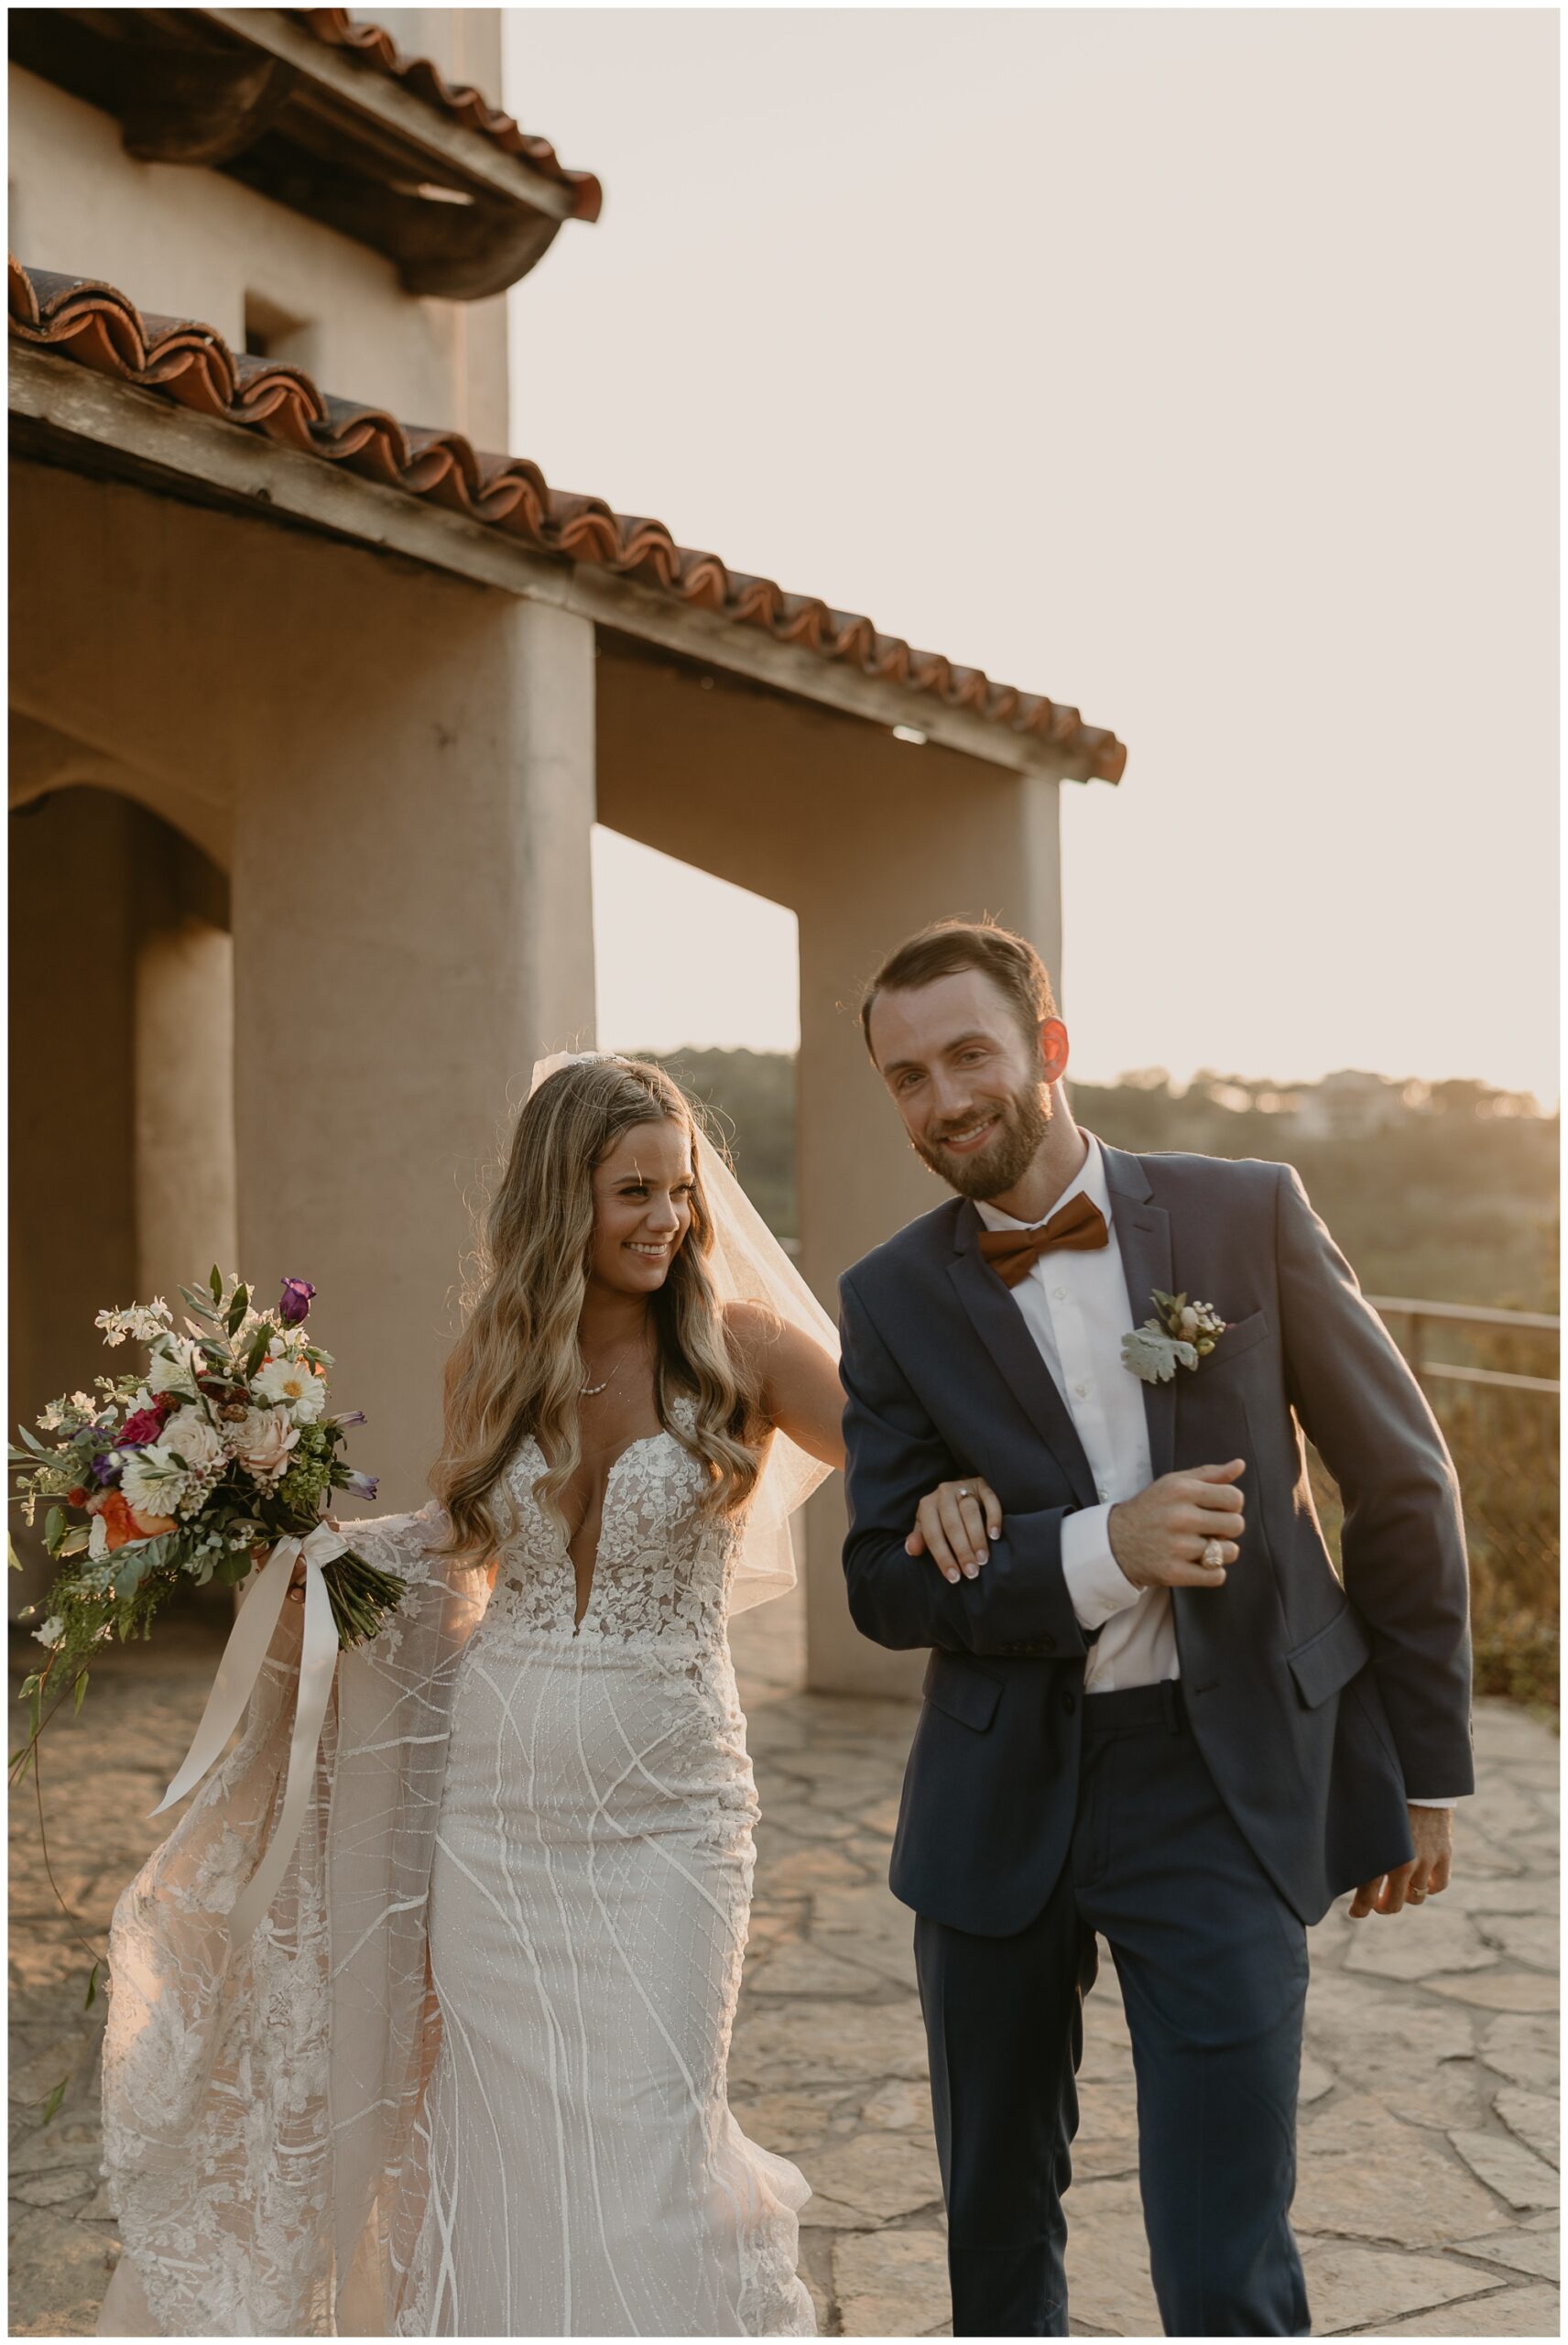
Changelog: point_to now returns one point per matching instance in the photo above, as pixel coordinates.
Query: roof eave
(167, 445)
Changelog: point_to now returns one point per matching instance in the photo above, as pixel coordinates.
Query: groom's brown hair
(949, 945)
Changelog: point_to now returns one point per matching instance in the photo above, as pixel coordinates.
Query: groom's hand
(1426, 1875)
(1159, 1538)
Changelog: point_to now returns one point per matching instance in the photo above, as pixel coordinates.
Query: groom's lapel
(1000, 1326)
(1143, 1234)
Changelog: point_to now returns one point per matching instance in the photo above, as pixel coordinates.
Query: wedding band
(1213, 1556)
(1415, 1894)
(962, 1492)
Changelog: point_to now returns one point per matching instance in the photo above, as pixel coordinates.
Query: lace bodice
(663, 1566)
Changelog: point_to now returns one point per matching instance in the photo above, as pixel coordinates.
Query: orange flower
(122, 1524)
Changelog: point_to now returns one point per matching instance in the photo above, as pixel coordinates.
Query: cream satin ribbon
(238, 1672)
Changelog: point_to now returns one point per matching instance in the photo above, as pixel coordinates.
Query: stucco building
(314, 700)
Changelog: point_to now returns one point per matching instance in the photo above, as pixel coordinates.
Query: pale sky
(1197, 368)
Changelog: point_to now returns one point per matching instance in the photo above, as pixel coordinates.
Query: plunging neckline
(642, 1440)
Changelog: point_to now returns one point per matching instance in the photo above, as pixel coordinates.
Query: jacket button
(1069, 1702)
(1048, 1644)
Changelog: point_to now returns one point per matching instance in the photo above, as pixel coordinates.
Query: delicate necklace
(587, 1391)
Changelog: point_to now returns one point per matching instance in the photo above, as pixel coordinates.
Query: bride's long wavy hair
(518, 1366)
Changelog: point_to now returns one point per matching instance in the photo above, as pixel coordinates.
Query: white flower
(189, 1437)
(153, 1482)
(50, 1418)
(263, 1439)
(52, 1630)
(114, 1324)
(295, 1384)
(82, 1401)
(97, 1540)
(175, 1366)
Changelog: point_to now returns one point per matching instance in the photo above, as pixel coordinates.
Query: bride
(467, 2077)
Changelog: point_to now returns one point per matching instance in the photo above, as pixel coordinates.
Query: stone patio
(1427, 2204)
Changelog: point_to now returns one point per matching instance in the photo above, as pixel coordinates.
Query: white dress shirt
(1075, 1306)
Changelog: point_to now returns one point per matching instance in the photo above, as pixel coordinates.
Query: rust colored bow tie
(1013, 1253)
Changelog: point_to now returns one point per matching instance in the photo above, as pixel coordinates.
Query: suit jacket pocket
(960, 1692)
(1332, 1658)
(1238, 1337)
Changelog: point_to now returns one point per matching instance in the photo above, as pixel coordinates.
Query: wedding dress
(588, 1915)
(527, 2134)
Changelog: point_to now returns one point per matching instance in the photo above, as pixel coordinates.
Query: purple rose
(139, 1430)
(104, 1469)
(296, 1303)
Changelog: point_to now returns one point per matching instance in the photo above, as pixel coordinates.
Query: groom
(1152, 1711)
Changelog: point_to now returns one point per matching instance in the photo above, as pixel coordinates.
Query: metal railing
(1416, 1315)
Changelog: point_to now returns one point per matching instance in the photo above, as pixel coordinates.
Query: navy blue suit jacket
(1314, 1703)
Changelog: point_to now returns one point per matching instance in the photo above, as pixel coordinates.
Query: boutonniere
(1183, 1333)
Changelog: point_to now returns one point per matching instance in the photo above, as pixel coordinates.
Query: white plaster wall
(189, 243)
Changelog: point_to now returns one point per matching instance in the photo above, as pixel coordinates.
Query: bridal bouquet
(222, 1450)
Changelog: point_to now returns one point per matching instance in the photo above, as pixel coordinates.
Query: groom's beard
(1025, 1120)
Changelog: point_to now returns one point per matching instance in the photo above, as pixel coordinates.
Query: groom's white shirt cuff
(1097, 1587)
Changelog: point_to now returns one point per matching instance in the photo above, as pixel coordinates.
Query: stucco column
(412, 926)
(868, 838)
(988, 849)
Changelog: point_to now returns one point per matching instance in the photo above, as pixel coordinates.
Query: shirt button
(1081, 1387)
(1100, 1491)
(1059, 1294)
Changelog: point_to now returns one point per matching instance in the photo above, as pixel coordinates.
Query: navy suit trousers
(1213, 1965)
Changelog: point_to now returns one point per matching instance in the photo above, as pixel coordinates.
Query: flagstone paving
(1427, 2203)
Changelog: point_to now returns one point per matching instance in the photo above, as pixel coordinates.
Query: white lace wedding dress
(467, 2079)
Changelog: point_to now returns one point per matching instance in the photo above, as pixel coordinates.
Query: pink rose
(262, 1441)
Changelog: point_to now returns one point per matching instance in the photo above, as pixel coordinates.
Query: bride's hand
(954, 1525)
(296, 1577)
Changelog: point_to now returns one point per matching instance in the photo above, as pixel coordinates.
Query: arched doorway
(122, 1084)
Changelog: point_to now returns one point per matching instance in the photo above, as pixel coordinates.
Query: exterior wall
(408, 763)
(195, 243)
(865, 838)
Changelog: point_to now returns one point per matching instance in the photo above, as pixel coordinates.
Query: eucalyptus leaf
(201, 1303)
(238, 1308)
(54, 1529)
(214, 1280)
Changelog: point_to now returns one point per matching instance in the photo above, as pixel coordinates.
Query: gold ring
(1415, 1894)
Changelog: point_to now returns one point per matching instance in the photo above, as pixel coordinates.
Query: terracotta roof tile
(100, 327)
(369, 45)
